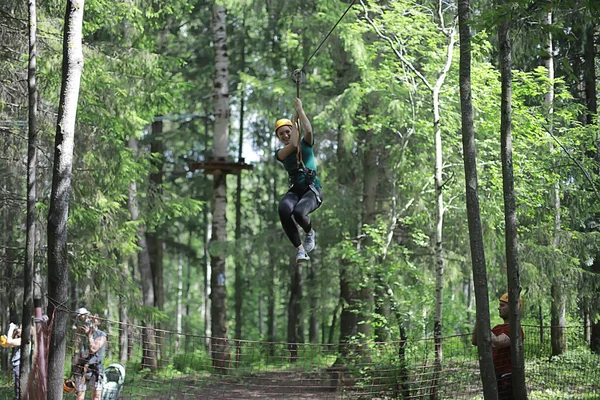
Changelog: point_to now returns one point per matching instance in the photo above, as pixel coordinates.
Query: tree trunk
(349, 294)
(239, 267)
(261, 318)
(558, 337)
(587, 322)
(180, 307)
(207, 273)
(155, 244)
(58, 285)
(510, 215)
(438, 249)
(294, 309)
(484, 345)
(187, 295)
(313, 293)
(558, 307)
(143, 261)
(271, 312)
(220, 345)
(369, 211)
(439, 223)
(595, 337)
(153, 241)
(29, 268)
(272, 274)
(333, 325)
(589, 75)
(123, 338)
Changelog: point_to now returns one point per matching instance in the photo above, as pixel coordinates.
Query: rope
(297, 78)
(329, 33)
(303, 66)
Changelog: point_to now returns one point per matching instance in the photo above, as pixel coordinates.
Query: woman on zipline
(304, 194)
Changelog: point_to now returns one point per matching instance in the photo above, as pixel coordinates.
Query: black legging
(297, 205)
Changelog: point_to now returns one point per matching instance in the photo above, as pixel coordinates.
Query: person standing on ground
(501, 349)
(88, 367)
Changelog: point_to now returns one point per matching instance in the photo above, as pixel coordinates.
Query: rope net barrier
(161, 365)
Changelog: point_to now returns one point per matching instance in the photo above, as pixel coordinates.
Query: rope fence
(163, 365)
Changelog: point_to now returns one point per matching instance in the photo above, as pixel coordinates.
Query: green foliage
(144, 61)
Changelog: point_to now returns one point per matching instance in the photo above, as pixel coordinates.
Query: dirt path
(277, 385)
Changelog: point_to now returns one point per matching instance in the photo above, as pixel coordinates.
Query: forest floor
(273, 385)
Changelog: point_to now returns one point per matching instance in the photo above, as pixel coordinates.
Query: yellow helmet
(504, 299)
(68, 385)
(3, 341)
(282, 122)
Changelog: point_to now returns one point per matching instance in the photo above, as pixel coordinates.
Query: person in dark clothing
(305, 192)
(501, 350)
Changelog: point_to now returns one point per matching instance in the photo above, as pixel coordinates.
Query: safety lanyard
(297, 78)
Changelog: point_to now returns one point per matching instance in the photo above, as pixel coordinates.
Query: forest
(457, 145)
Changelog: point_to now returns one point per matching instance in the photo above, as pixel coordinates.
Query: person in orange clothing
(501, 349)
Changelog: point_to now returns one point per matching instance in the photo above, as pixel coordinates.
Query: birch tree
(219, 324)
(434, 87)
(558, 301)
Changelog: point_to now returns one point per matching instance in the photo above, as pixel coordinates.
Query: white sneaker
(302, 256)
(309, 241)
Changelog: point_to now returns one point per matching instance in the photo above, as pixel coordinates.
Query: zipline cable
(328, 34)
(305, 63)
(299, 74)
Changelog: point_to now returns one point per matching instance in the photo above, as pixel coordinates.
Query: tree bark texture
(58, 215)
(30, 240)
(153, 240)
(484, 345)
(206, 273)
(239, 266)
(220, 346)
(510, 211)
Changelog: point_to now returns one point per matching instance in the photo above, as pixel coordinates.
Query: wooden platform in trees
(220, 165)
